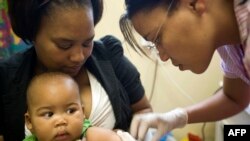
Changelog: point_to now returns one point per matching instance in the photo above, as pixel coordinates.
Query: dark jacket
(107, 63)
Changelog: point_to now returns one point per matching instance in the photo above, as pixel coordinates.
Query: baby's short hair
(47, 79)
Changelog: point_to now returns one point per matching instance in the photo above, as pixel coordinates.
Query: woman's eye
(64, 45)
(88, 44)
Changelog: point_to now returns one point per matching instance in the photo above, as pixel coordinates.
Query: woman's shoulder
(103, 134)
(108, 45)
(20, 61)
(110, 40)
(16, 59)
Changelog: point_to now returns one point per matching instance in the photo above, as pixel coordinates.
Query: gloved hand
(163, 122)
(125, 136)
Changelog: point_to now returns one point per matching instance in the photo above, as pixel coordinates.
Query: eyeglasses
(155, 42)
(43, 3)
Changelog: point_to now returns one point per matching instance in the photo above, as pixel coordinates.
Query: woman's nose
(163, 56)
(77, 54)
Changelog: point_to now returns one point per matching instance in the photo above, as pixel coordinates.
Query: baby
(55, 112)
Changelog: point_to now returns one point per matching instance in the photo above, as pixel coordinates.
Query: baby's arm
(101, 134)
(125, 136)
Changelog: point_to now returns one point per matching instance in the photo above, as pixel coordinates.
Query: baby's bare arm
(101, 134)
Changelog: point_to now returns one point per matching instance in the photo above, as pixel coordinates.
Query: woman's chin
(198, 71)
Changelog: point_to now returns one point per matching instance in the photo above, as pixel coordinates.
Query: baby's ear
(28, 121)
(83, 110)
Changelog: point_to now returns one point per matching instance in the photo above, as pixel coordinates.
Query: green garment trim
(86, 125)
(30, 138)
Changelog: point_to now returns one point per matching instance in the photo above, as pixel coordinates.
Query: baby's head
(54, 107)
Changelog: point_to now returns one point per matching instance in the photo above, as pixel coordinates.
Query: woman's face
(183, 37)
(65, 39)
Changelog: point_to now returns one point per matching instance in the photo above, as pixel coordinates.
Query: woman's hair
(26, 15)
(133, 7)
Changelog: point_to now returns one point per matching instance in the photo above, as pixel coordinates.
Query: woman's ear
(28, 121)
(198, 6)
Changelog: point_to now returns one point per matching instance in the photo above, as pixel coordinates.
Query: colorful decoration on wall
(9, 42)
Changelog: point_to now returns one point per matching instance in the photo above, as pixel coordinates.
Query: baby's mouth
(62, 135)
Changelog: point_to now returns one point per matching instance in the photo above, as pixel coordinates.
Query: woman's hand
(164, 122)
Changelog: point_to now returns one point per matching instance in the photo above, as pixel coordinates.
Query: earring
(193, 4)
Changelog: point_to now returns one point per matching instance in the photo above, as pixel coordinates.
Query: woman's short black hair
(26, 15)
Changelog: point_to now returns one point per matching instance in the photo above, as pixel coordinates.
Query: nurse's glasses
(156, 41)
(43, 3)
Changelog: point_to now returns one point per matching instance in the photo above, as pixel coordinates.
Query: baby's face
(56, 112)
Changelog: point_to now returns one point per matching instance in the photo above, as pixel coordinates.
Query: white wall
(173, 88)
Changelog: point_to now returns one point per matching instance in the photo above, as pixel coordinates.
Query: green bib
(86, 125)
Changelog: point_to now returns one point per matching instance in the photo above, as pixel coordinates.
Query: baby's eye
(48, 114)
(71, 110)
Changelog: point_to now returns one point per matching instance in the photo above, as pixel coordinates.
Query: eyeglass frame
(155, 43)
(43, 3)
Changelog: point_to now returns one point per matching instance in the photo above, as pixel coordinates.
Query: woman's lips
(73, 69)
(180, 66)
